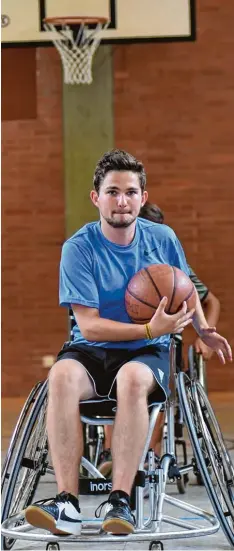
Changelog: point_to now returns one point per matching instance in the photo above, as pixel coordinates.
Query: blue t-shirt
(95, 272)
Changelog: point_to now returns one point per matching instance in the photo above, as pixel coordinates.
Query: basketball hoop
(76, 39)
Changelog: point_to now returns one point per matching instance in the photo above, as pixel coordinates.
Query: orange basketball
(148, 286)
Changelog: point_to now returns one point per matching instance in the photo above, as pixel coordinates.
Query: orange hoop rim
(75, 20)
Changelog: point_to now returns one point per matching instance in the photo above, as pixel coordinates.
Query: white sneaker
(59, 515)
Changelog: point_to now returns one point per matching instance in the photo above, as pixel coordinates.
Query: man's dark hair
(152, 212)
(117, 159)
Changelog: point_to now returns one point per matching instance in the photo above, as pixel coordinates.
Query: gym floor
(196, 495)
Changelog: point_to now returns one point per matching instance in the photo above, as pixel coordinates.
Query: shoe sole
(117, 526)
(41, 519)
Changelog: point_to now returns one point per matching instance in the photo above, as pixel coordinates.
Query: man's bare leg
(68, 384)
(134, 382)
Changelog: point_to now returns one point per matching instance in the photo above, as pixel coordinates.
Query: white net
(76, 48)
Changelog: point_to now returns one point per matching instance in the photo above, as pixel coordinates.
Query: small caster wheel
(181, 484)
(156, 545)
(52, 546)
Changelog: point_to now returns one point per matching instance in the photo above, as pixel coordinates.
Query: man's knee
(67, 375)
(135, 380)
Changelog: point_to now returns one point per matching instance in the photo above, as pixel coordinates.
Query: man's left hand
(203, 349)
(217, 343)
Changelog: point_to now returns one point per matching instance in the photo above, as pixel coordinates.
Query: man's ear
(94, 197)
(144, 198)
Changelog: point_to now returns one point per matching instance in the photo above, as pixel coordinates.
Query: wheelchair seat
(97, 408)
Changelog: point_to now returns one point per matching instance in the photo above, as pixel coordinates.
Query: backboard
(130, 20)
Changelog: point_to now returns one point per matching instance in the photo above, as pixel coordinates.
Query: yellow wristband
(148, 332)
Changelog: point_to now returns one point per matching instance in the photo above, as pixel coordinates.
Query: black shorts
(103, 364)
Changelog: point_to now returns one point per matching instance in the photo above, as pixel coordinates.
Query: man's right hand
(163, 323)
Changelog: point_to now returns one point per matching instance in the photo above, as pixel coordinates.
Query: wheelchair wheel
(12, 449)
(29, 463)
(219, 456)
(211, 456)
(197, 368)
(197, 371)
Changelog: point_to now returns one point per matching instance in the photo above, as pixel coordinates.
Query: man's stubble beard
(116, 224)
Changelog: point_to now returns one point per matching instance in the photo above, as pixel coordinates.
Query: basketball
(148, 286)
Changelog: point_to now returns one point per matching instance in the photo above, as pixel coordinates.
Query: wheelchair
(28, 462)
(94, 436)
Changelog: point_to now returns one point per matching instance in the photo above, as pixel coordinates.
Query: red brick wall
(32, 232)
(174, 109)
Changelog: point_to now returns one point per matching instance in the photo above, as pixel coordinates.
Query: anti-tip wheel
(156, 545)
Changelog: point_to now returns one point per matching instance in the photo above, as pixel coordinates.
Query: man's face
(120, 198)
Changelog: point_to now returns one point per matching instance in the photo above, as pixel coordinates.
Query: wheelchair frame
(15, 527)
(196, 370)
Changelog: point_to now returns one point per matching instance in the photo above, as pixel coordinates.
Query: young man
(211, 306)
(110, 356)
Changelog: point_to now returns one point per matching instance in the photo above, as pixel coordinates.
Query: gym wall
(171, 105)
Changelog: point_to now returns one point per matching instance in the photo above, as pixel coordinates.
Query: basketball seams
(190, 294)
(186, 298)
(141, 300)
(153, 283)
(173, 290)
